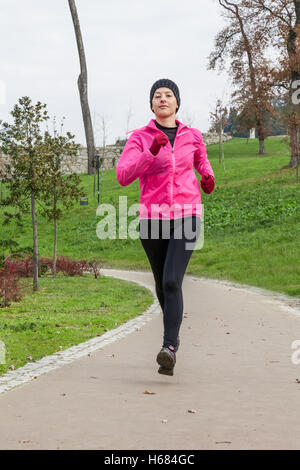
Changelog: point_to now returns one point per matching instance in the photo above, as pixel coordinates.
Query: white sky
(128, 46)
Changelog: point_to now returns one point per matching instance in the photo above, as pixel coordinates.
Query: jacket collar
(151, 125)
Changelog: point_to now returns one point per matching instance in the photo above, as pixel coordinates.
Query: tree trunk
(293, 52)
(262, 147)
(55, 248)
(55, 240)
(35, 245)
(257, 107)
(82, 86)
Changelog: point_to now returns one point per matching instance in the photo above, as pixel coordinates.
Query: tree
(219, 119)
(25, 173)
(282, 18)
(83, 89)
(128, 118)
(249, 69)
(59, 189)
(187, 117)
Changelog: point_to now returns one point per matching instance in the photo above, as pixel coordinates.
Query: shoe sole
(165, 371)
(165, 360)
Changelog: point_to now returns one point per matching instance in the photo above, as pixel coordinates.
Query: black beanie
(165, 82)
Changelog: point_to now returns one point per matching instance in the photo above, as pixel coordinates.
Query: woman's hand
(158, 141)
(207, 183)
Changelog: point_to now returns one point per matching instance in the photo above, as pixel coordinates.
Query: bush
(10, 290)
(24, 267)
(77, 268)
(69, 267)
(92, 266)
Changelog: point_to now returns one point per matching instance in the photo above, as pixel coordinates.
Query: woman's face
(164, 103)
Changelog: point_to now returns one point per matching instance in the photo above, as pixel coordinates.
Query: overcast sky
(128, 46)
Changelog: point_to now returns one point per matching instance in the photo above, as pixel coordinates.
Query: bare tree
(128, 117)
(187, 117)
(83, 89)
(219, 120)
(248, 67)
(282, 18)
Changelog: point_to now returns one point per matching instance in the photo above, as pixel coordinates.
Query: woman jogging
(162, 155)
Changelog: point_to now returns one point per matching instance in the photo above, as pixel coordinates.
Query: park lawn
(64, 312)
(251, 221)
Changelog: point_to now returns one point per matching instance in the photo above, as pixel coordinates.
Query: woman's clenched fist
(207, 183)
(160, 140)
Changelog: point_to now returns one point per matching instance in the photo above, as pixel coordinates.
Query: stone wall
(108, 158)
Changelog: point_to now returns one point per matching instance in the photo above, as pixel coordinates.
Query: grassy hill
(252, 221)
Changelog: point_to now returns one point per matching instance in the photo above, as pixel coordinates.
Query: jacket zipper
(173, 162)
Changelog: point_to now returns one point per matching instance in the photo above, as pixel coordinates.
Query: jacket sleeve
(133, 161)
(201, 162)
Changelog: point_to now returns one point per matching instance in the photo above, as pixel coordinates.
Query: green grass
(252, 236)
(64, 312)
(252, 221)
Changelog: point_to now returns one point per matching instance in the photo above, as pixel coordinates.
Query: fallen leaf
(192, 411)
(146, 392)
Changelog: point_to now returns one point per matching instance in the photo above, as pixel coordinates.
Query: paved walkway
(234, 386)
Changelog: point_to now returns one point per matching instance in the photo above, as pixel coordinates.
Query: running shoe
(166, 359)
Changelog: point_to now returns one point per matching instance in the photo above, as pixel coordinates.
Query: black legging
(169, 256)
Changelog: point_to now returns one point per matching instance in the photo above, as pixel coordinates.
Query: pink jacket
(168, 184)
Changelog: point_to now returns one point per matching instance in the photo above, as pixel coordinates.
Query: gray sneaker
(166, 359)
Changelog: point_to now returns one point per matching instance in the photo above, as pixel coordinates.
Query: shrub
(24, 267)
(92, 266)
(69, 267)
(10, 289)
